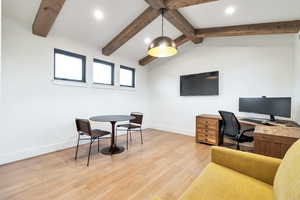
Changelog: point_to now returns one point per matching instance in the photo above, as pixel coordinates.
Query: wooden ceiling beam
(182, 24)
(46, 16)
(177, 19)
(179, 41)
(156, 4)
(251, 29)
(131, 30)
(146, 60)
(240, 30)
(175, 4)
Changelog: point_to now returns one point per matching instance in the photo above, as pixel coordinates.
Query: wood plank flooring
(163, 167)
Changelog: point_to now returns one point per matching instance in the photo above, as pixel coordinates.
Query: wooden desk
(268, 140)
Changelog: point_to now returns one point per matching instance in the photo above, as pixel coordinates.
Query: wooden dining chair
(84, 129)
(134, 125)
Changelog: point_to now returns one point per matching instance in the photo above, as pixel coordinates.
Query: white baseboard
(40, 150)
(174, 130)
(34, 151)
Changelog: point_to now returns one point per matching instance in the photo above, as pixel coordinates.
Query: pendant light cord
(162, 21)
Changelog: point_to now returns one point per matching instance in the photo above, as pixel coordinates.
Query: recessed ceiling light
(230, 10)
(98, 14)
(147, 40)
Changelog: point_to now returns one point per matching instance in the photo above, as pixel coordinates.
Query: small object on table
(113, 119)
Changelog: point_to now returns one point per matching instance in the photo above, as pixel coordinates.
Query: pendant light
(162, 46)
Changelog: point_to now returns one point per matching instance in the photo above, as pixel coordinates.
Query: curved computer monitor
(273, 106)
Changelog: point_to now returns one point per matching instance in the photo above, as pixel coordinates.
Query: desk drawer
(207, 126)
(207, 130)
(207, 122)
(207, 139)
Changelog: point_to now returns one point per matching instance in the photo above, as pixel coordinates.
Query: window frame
(112, 65)
(133, 76)
(70, 54)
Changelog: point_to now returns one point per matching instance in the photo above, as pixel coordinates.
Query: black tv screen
(203, 84)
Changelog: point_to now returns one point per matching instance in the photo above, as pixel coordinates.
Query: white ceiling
(76, 20)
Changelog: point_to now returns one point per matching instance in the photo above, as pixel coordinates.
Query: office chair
(231, 128)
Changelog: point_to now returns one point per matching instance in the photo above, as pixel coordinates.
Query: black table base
(110, 150)
(113, 148)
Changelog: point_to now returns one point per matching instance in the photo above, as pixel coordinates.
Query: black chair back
(138, 118)
(230, 126)
(83, 126)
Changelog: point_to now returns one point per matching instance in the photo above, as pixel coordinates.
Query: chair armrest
(248, 130)
(257, 166)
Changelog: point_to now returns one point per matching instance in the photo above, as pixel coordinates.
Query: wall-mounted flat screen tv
(203, 84)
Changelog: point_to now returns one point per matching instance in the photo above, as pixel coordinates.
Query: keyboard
(287, 123)
(253, 120)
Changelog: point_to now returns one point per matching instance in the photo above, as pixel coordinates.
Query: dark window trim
(112, 71)
(133, 76)
(70, 54)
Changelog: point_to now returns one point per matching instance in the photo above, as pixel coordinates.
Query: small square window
(69, 66)
(103, 72)
(127, 76)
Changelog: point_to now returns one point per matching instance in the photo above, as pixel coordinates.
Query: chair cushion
(287, 179)
(220, 183)
(246, 138)
(130, 126)
(99, 133)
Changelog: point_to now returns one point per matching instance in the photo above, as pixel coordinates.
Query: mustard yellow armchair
(236, 175)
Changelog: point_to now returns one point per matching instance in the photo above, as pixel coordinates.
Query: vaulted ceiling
(76, 19)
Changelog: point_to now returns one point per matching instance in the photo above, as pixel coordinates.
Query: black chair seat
(99, 133)
(129, 126)
(243, 138)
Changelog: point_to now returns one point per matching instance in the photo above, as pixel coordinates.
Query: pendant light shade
(162, 46)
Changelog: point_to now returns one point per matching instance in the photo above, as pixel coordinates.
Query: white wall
(38, 114)
(249, 67)
(0, 57)
(296, 102)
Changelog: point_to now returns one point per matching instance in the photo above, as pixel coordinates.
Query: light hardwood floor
(163, 167)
